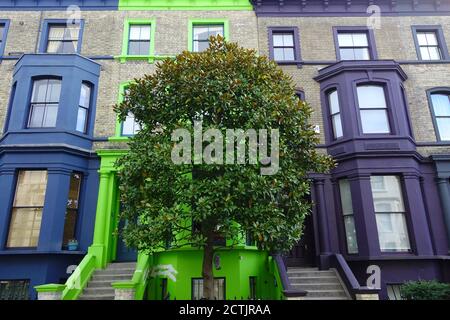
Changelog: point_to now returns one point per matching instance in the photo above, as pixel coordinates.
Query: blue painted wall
(61, 151)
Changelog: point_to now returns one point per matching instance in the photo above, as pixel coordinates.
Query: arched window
(44, 103)
(440, 109)
(373, 109)
(335, 113)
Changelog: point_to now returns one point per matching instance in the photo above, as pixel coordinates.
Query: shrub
(425, 290)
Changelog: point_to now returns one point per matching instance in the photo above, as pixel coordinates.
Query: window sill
(297, 63)
(119, 138)
(149, 58)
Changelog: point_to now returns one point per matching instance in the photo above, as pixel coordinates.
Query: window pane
(334, 102)
(144, 48)
(387, 196)
(74, 191)
(39, 91)
(278, 40)
(26, 222)
(72, 206)
(392, 232)
(56, 33)
(350, 233)
(201, 33)
(337, 126)
(345, 40)
(347, 54)
(30, 191)
(135, 32)
(85, 95)
(422, 39)
(424, 53)
(374, 121)
(441, 104)
(431, 38)
(37, 115)
(371, 97)
(145, 33)
(444, 128)
(288, 40)
(54, 46)
(51, 113)
(278, 54)
(81, 120)
(361, 54)
(434, 53)
(346, 197)
(289, 54)
(129, 126)
(360, 40)
(68, 47)
(24, 227)
(133, 48)
(200, 46)
(215, 30)
(53, 90)
(72, 32)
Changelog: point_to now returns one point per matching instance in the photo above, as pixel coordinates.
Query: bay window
(44, 103)
(72, 208)
(347, 212)
(373, 109)
(26, 217)
(390, 213)
(440, 108)
(83, 108)
(335, 113)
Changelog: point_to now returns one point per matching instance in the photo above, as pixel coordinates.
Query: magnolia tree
(224, 151)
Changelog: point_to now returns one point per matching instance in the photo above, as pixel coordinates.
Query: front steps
(320, 284)
(99, 287)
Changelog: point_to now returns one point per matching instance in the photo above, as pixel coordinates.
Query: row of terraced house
(379, 85)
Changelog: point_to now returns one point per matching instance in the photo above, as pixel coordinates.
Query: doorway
(303, 254)
(124, 253)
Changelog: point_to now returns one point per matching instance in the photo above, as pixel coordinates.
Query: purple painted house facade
(377, 76)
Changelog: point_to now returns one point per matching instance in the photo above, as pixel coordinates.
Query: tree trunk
(207, 272)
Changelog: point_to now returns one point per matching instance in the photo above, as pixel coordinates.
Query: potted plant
(72, 245)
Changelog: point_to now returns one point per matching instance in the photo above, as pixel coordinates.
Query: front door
(124, 253)
(303, 253)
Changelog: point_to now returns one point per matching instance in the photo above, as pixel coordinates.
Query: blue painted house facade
(47, 168)
(381, 100)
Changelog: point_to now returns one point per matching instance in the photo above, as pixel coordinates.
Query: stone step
(99, 283)
(307, 273)
(99, 291)
(120, 265)
(114, 271)
(97, 297)
(326, 293)
(324, 298)
(111, 277)
(317, 286)
(307, 280)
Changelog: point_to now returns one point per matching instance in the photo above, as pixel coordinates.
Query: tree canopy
(224, 87)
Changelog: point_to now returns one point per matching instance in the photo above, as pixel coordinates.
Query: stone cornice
(369, 65)
(350, 7)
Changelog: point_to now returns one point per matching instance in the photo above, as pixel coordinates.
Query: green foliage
(425, 290)
(226, 87)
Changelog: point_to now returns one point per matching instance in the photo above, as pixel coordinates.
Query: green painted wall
(185, 5)
(237, 265)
